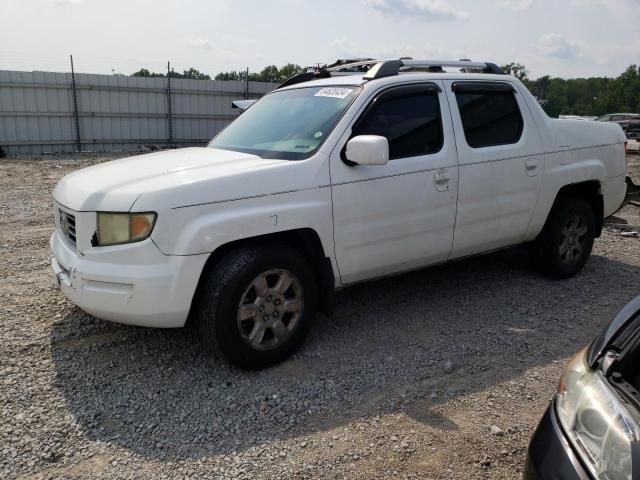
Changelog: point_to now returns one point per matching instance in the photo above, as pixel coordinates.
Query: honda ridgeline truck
(341, 175)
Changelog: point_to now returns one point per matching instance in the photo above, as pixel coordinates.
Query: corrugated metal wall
(114, 112)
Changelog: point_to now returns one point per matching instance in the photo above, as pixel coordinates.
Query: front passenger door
(398, 216)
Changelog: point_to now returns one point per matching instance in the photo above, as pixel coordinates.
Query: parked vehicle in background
(633, 129)
(576, 117)
(591, 429)
(618, 117)
(242, 105)
(630, 122)
(341, 175)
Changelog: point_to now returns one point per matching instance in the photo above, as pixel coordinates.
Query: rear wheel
(565, 244)
(256, 305)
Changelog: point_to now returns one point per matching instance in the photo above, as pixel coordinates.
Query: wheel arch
(305, 241)
(591, 192)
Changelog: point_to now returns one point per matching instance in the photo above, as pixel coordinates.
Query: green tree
(270, 73)
(289, 70)
(593, 96)
(516, 69)
(194, 74)
(143, 72)
(227, 76)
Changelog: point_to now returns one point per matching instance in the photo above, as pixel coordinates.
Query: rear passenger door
(500, 165)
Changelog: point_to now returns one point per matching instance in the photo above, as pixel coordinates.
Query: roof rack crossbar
(362, 63)
(345, 74)
(446, 63)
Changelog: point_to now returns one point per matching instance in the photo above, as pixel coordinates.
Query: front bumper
(134, 284)
(550, 456)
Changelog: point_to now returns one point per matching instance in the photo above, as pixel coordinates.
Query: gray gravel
(442, 373)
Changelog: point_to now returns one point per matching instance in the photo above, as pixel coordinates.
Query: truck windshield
(289, 124)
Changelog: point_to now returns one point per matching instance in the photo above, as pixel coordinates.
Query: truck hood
(116, 185)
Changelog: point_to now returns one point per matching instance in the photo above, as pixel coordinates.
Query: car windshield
(287, 124)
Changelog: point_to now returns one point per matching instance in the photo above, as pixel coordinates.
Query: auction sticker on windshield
(334, 92)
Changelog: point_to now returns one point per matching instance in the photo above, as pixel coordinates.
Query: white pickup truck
(340, 176)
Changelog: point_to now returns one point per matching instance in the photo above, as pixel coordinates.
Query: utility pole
(246, 85)
(75, 106)
(169, 119)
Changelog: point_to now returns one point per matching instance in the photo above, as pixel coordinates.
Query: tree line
(268, 74)
(191, 74)
(593, 96)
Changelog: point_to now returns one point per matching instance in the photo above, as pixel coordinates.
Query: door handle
(442, 176)
(531, 165)
(441, 179)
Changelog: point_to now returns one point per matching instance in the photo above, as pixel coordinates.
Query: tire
(273, 319)
(566, 241)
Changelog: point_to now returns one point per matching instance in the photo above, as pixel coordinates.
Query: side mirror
(367, 150)
(242, 105)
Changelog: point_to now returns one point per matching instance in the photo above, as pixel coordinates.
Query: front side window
(287, 124)
(409, 118)
(490, 118)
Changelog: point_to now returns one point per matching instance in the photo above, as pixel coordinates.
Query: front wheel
(257, 304)
(565, 244)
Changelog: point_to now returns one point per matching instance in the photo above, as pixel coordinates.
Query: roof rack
(374, 69)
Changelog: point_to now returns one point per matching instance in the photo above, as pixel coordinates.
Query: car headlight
(119, 228)
(596, 422)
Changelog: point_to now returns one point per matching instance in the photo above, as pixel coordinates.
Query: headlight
(118, 228)
(596, 422)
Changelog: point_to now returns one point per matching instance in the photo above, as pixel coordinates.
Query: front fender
(204, 228)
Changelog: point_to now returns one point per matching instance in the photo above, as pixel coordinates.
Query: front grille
(67, 225)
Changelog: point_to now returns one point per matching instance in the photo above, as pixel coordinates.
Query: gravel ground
(437, 374)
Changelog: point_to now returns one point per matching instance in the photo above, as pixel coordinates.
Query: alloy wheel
(573, 240)
(270, 309)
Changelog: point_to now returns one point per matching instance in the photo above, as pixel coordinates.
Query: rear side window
(409, 118)
(490, 118)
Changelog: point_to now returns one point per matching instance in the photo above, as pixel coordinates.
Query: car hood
(626, 319)
(116, 185)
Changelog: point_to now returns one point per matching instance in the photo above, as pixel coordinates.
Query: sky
(567, 38)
